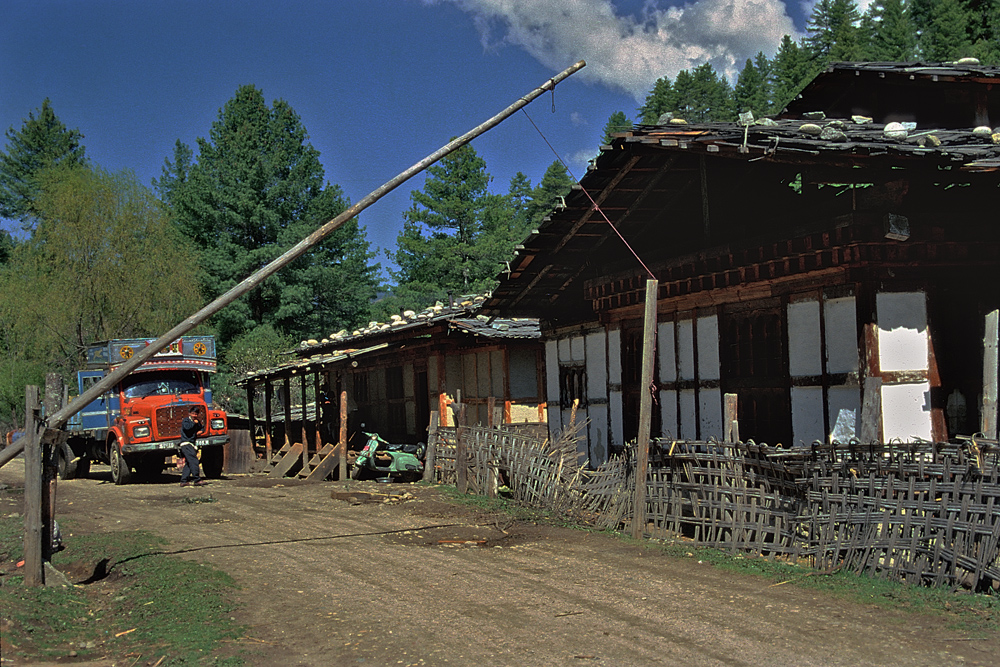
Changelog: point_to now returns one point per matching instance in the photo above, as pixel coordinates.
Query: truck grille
(169, 418)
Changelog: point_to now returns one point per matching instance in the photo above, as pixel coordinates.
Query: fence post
(50, 463)
(731, 424)
(343, 433)
(430, 452)
(461, 460)
(34, 569)
(645, 410)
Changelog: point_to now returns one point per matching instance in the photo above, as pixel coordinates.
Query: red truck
(137, 425)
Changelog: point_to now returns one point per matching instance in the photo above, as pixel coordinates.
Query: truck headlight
(141, 431)
(218, 424)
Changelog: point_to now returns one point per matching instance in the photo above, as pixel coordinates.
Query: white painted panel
(668, 414)
(576, 350)
(804, 340)
(902, 331)
(844, 398)
(554, 415)
(597, 366)
(906, 411)
(597, 436)
(687, 424)
(617, 430)
(565, 351)
(665, 347)
(841, 323)
(710, 411)
(614, 356)
(685, 349)
(552, 382)
(408, 380)
(807, 415)
(708, 347)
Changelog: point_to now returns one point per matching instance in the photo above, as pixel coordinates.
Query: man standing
(189, 433)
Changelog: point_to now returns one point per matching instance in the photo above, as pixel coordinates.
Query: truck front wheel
(121, 472)
(211, 461)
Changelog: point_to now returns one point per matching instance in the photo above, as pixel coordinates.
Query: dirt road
(335, 581)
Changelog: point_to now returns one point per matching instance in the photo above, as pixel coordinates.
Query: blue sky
(378, 84)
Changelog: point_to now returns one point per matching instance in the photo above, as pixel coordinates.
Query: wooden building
(388, 378)
(837, 268)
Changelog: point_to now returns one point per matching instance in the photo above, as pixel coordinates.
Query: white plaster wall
(565, 350)
(665, 346)
(804, 340)
(685, 349)
(843, 398)
(552, 386)
(597, 436)
(617, 425)
(710, 411)
(597, 366)
(807, 415)
(906, 411)
(841, 322)
(688, 424)
(902, 331)
(668, 414)
(576, 349)
(708, 348)
(614, 356)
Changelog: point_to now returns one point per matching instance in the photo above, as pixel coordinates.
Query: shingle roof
(461, 316)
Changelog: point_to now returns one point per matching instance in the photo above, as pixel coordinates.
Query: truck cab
(137, 424)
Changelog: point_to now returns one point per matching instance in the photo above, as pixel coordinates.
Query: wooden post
(990, 419)
(50, 465)
(34, 568)
(319, 412)
(343, 433)
(267, 419)
(645, 410)
(287, 401)
(251, 392)
(461, 460)
(491, 404)
(305, 436)
(730, 421)
(431, 453)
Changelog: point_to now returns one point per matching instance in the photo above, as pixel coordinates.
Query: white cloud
(628, 52)
(577, 118)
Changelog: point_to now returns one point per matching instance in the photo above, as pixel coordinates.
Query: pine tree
(660, 100)
(617, 122)
(703, 96)
(791, 70)
(41, 143)
(889, 33)
(947, 35)
(752, 92)
(435, 251)
(256, 189)
(550, 193)
(833, 31)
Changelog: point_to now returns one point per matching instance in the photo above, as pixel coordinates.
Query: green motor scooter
(383, 460)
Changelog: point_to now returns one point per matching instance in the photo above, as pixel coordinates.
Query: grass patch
(137, 603)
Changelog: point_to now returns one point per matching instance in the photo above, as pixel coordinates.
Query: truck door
(97, 414)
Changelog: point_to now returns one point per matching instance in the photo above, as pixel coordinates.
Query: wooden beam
(268, 391)
(342, 444)
(34, 567)
(990, 419)
(645, 410)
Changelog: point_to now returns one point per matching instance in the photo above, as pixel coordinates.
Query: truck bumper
(168, 446)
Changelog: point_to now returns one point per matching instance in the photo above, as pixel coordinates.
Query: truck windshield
(162, 383)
